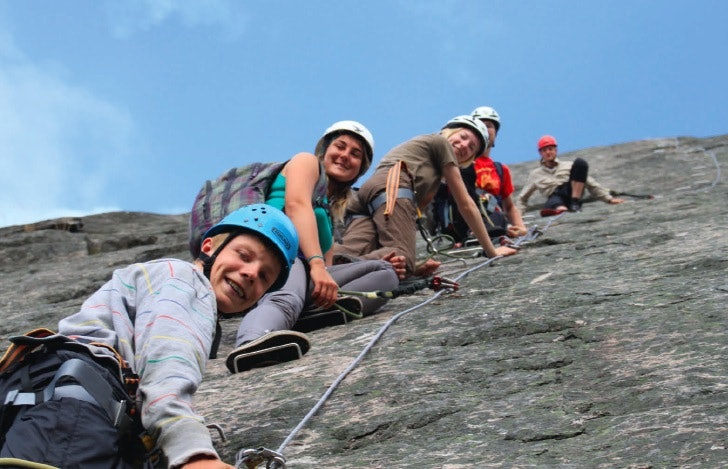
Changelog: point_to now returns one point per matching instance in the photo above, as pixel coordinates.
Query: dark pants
(63, 431)
(562, 194)
(452, 223)
(66, 433)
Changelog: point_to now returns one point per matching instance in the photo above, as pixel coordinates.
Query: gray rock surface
(601, 344)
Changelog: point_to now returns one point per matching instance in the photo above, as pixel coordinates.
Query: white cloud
(130, 16)
(60, 146)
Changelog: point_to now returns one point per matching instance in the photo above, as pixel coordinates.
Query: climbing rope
(252, 458)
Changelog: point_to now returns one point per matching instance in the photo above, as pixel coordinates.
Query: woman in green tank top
(344, 153)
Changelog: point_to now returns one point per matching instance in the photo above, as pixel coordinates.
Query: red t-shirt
(486, 177)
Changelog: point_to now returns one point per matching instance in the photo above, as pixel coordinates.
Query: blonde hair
(218, 239)
(447, 132)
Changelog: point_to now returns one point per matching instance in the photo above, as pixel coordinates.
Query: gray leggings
(279, 310)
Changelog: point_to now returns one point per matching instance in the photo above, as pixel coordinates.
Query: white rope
(526, 238)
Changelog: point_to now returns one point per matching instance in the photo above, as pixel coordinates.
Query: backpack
(450, 221)
(236, 188)
(499, 172)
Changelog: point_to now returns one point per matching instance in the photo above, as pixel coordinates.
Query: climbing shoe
(270, 349)
(550, 212)
(575, 205)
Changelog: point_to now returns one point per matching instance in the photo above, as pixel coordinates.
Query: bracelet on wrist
(316, 256)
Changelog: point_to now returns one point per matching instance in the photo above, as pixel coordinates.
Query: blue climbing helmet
(269, 224)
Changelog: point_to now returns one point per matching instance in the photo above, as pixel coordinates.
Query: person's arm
(597, 191)
(162, 316)
(517, 226)
(203, 462)
(173, 332)
(467, 208)
(302, 173)
(525, 194)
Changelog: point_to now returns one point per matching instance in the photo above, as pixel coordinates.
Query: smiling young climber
(114, 387)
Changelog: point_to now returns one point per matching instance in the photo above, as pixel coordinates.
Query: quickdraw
(435, 283)
(439, 283)
(253, 458)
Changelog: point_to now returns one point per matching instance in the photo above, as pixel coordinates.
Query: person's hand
(615, 201)
(516, 231)
(325, 289)
(505, 251)
(398, 262)
(206, 462)
(427, 268)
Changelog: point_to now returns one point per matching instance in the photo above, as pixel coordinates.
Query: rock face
(601, 344)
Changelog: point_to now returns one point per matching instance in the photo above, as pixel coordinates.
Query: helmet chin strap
(207, 261)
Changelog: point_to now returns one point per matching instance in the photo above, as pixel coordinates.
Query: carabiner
(252, 458)
(438, 283)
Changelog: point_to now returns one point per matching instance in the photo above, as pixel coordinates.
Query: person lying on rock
(384, 212)
(343, 153)
(154, 324)
(561, 182)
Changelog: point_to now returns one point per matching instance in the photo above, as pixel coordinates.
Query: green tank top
(323, 220)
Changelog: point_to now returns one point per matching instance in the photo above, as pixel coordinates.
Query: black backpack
(448, 218)
(47, 379)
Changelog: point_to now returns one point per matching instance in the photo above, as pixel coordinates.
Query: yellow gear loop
(14, 462)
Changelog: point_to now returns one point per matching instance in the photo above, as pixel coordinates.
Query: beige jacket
(546, 180)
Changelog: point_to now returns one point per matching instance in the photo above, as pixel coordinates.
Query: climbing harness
(442, 244)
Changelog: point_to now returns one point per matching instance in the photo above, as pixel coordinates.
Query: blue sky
(131, 105)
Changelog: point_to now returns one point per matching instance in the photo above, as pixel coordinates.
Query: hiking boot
(270, 349)
(575, 205)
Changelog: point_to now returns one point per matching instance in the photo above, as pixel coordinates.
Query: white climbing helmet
(487, 112)
(351, 127)
(474, 124)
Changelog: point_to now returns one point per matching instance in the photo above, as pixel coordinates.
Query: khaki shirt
(545, 180)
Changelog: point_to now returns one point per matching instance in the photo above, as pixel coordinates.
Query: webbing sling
(381, 199)
(493, 200)
(392, 183)
(391, 192)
